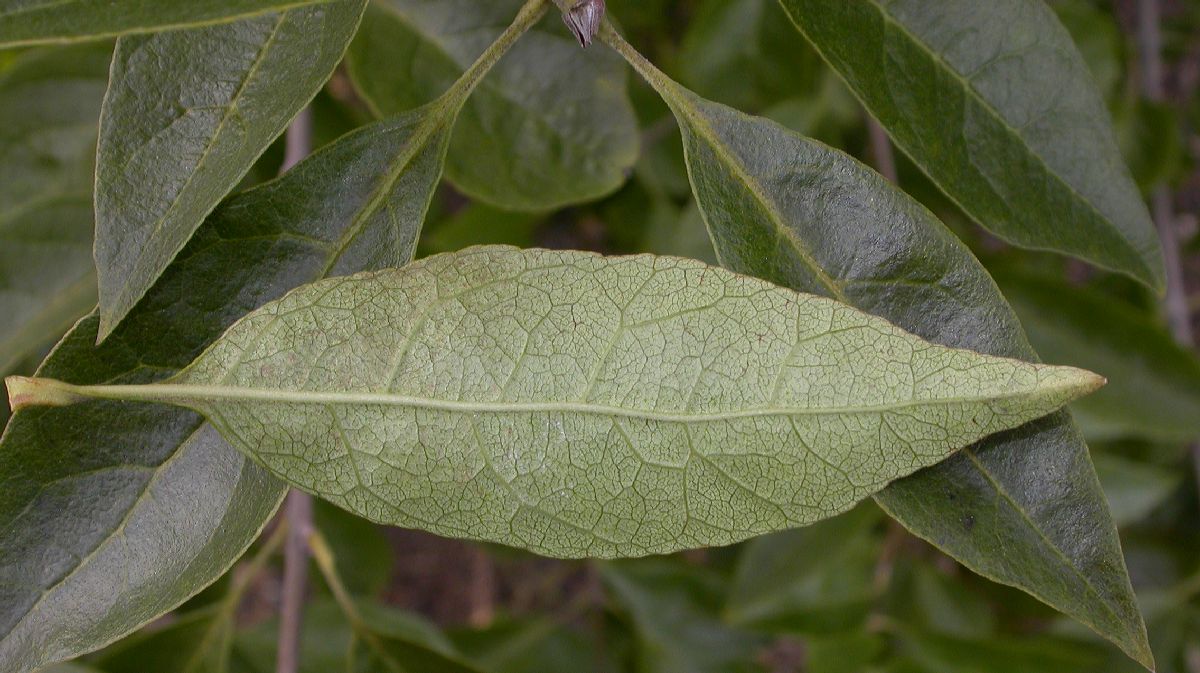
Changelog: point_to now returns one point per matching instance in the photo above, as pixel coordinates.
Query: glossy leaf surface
(579, 405)
(32, 21)
(1024, 507)
(77, 482)
(186, 115)
(994, 102)
(49, 103)
(552, 125)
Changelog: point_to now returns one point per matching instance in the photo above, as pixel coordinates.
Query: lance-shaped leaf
(1023, 508)
(552, 125)
(33, 21)
(579, 405)
(186, 115)
(1155, 383)
(673, 611)
(49, 103)
(114, 513)
(993, 101)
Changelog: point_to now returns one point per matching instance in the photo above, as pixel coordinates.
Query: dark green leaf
(813, 579)
(361, 545)
(1153, 386)
(1098, 38)
(480, 224)
(745, 54)
(1151, 140)
(49, 103)
(536, 645)
(75, 484)
(32, 21)
(995, 103)
(325, 640)
(1024, 507)
(674, 611)
(671, 232)
(924, 598)
(937, 653)
(1134, 488)
(851, 652)
(186, 114)
(87, 493)
(551, 126)
(197, 642)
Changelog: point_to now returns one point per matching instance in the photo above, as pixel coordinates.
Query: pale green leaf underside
(579, 405)
(34, 21)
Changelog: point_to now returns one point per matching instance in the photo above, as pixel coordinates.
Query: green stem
(531, 12)
(323, 556)
(656, 78)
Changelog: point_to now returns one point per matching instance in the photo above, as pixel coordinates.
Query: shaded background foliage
(856, 593)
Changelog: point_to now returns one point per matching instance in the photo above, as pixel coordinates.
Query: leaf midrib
(214, 139)
(151, 27)
(183, 393)
(1021, 141)
(501, 92)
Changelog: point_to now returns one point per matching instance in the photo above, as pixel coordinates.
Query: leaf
(200, 641)
(550, 127)
(745, 54)
(66, 495)
(383, 639)
(325, 639)
(815, 579)
(185, 116)
(922, 597)
(1154, 384)
(480, 224)
(49, 101)
(534, 645)
(365, 551)
(576, 405)
(1134, 488)
(69, 499)
(994, 102)
(33, 21)
(939, 653)
(46, 276)
(808, 217)
(673, 610)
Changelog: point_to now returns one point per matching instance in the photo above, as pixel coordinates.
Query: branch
(1179, 316)
(299, 506)
(881, 150)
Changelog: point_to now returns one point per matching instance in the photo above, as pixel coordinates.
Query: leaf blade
(967, 120)
(251, 249)
(562, 111)
(174, 140)
(49, 100)
(816, 220)
(829, 401)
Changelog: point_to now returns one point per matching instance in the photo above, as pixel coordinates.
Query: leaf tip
(31, 392)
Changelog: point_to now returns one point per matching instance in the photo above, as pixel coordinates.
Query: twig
(1149, 38)
(299, 507)
(881, 150)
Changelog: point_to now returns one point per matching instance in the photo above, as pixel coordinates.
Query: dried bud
(584, 20)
